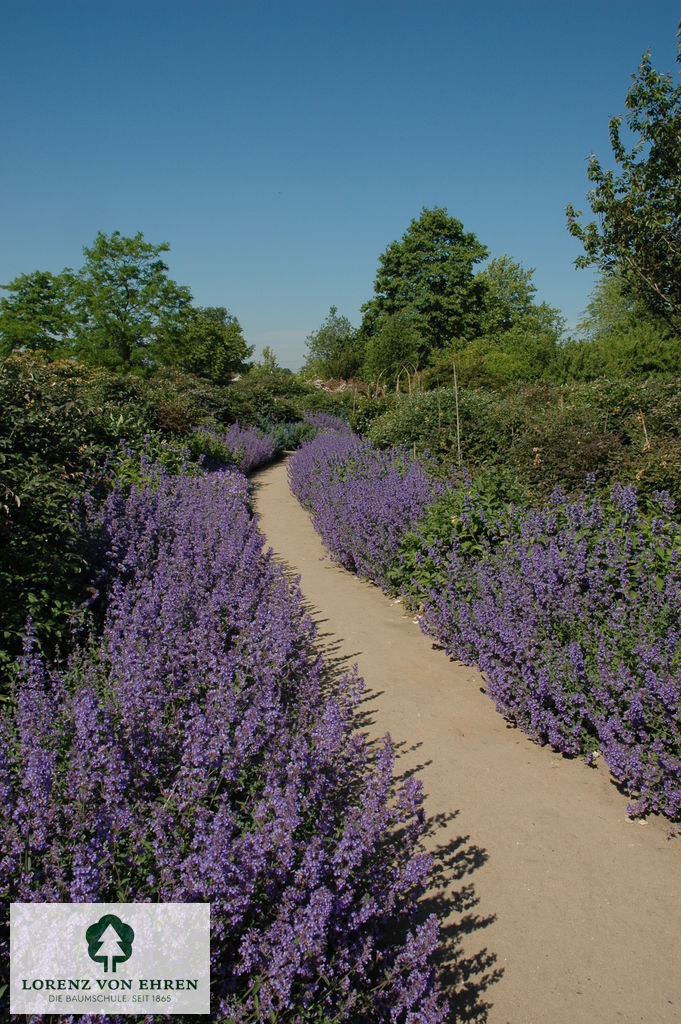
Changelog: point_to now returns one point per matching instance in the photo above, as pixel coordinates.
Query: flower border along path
(572, 610)
(196, 752)
(582, 904)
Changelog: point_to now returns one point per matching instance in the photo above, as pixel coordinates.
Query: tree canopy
(509, 294)
(397, 346)
(121, 310)
(428, 275)
(519, 337)
(638, 205)
(268, 360)
(36, 313)
(127, 309)
(212, 344)
(334, 349)
(619, 337)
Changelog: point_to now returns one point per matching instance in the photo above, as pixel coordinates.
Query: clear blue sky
(280, 146)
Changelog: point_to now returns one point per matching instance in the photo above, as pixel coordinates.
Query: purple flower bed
(576, 620)
(251, 446)
(195, 752)
(573, 610)
(362, 500)
(327, 421)
(244, 447)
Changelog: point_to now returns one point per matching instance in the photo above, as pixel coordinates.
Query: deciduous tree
(211, 344)
(637, 233)
(619, 337)
(36, 314)
(428, 275)
(519, 337)
(335, 349)
(127, 307)
(397, 346)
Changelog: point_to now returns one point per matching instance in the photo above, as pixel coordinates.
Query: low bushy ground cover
(573, 611)
(195, 751)
(571, 608)
(362, 500)
(321, 420)
(247, 447)
(62, 424)
(288, 434)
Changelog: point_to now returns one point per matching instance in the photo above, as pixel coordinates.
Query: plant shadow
(465, 973)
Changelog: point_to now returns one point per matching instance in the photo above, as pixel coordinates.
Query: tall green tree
(511, 309)
(335, 349)
(509, 294)
(268, 360)
(128, 310)
(429, 276)
(610, 310)
(37, 313)
(211, 344)
(637, 233)
(395, 347)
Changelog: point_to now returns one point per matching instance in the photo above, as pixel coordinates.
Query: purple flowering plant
(321, 420)
(575, 618)
(245, 447)
(572, 609)
(362, 500)
(196, 750)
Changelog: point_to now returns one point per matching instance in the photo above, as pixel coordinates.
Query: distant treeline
(122, 311)
(437, 303)
(513, 340)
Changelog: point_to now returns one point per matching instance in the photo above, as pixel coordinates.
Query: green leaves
(36, 314)
(549, 434)
(61, 423)
(126, 307)
(121, 311)
(428, 275)
(638, 232)
(334, 350)
(211, 345)
(396, 350)
(471, 515)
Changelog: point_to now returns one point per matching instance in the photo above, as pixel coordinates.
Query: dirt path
(568, 912)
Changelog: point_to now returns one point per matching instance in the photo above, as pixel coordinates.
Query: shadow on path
(465, 976)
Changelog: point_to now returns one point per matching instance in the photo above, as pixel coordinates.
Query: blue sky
(280, 146)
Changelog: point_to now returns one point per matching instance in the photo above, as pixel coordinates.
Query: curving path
(560, 909)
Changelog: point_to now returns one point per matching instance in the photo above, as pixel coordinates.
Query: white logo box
(136, 958)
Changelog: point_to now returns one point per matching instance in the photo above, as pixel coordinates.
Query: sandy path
(568, 911)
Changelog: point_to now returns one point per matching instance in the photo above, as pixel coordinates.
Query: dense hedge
(56, 429)
(627, 431)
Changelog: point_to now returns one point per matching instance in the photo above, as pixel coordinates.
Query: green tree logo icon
(109, 942)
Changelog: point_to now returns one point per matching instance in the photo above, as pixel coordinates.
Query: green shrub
(132, 465)
(60, 424)
(547, 434)
(367, 410)
(287, 435)
(471, 511)
(50, 444)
